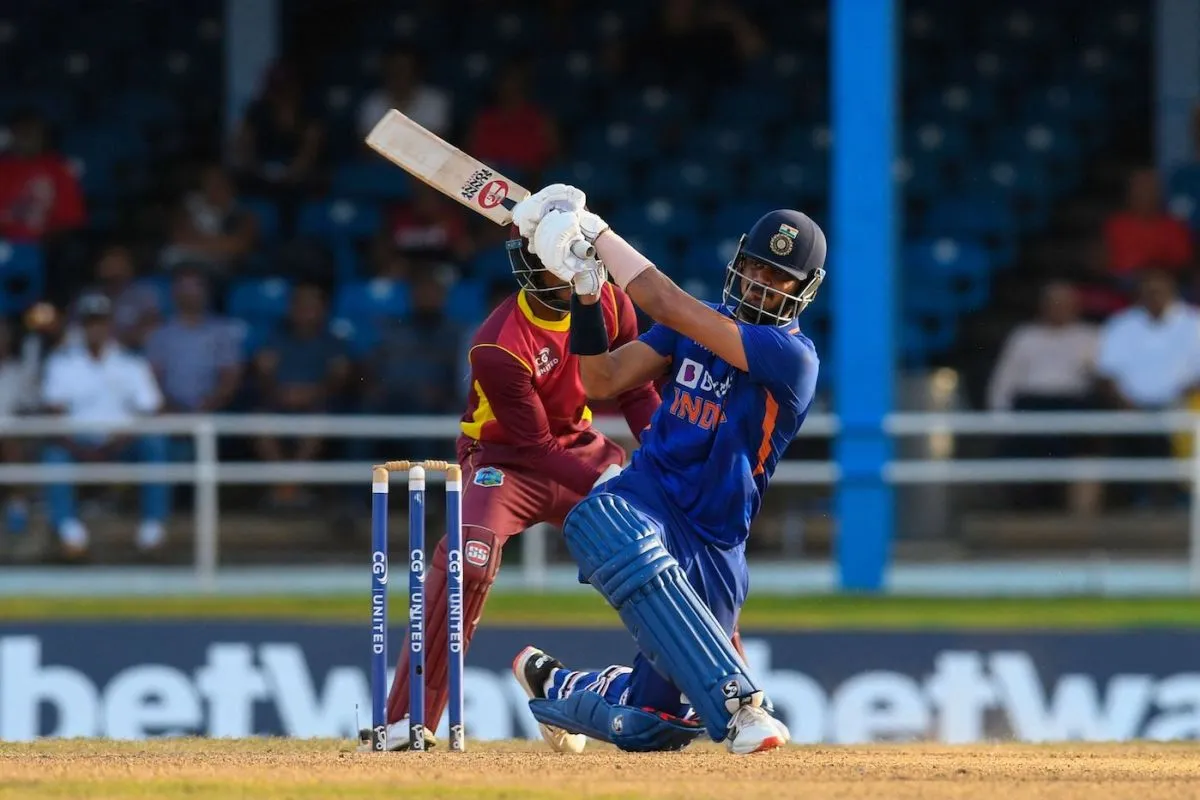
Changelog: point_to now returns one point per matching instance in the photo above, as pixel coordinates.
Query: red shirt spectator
(1143, 235)
(429, 226)
(513, 132)
(38, 193)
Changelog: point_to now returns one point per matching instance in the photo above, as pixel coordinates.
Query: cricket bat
(428, 157)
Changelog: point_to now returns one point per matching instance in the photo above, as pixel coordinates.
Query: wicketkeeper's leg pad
(632, 729)
(619, 550)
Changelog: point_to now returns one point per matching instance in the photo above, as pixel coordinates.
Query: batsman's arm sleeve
(509, 388)
(639, 403)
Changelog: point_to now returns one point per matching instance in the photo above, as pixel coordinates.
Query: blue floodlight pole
(864, 36)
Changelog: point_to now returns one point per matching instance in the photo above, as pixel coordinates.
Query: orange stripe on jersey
(768, 428)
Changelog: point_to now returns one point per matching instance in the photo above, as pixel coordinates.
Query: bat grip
(581, 249)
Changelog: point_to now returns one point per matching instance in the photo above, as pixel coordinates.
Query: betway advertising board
(136, 680)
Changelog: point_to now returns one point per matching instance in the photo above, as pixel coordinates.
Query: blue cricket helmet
(790, 242)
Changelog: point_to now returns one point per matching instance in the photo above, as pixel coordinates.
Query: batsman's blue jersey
(714, 442)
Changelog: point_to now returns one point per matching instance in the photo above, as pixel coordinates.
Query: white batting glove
(558, 242)
(591, 280)
(555, 197)
(591, 225)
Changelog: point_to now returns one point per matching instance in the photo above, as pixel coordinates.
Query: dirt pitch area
(274, 769)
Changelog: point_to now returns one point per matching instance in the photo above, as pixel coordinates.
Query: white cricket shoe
(532, 668)
(753, 730)
(397, 737)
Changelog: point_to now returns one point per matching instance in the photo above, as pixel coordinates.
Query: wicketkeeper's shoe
(397, 737)
(533, 669)
(753, 730)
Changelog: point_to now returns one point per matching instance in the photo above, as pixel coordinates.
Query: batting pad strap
(589, 336)
(621, 259)
(620, 552)
(631, 729)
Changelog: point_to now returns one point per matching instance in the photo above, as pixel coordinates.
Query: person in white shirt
(1048, 365)
(102, 381)
(1149, 359)
(403, 90)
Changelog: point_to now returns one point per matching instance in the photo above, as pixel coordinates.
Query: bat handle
(581, 249)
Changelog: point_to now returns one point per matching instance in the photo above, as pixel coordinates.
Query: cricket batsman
(664, 541)
(527, 450)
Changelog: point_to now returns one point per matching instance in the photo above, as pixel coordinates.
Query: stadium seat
(706, 259)
(789, 184)
(367, 301)
(938, 143)
(160, 285)
(259, 301)
(619, 141)
(697, 180)
(656, 250)
(371, 179)
(731, 220)
(339, 219)
(659, 218)
(959, 102)
(603, 184)
(21, 276)
(97, 155)
(266, 214)
(490, 263)
(466, 302)
(652, 106)
(722, 141)
(358, 335)
(984, 217)
(1185, 180)
(806, 145)
(954, 274)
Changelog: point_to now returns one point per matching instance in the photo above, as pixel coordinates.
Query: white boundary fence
(206, 472)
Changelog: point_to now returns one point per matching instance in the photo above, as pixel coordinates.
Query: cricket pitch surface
(274, 769)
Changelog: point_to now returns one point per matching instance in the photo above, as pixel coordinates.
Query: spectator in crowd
(18, 394)
(404, 91)
(135, 305)
(1149, 358)
(677, 46)
(384, 260)
(102, 382)
(514, 133)
(278, 145)
(1143, 235)
(39, 195)
(210, 229)
(1048, 365)
(415, 368)
(302, 369)
(429, 226)
(196, 355)
(497, 292)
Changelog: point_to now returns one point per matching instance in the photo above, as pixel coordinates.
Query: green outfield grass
(586, 609)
